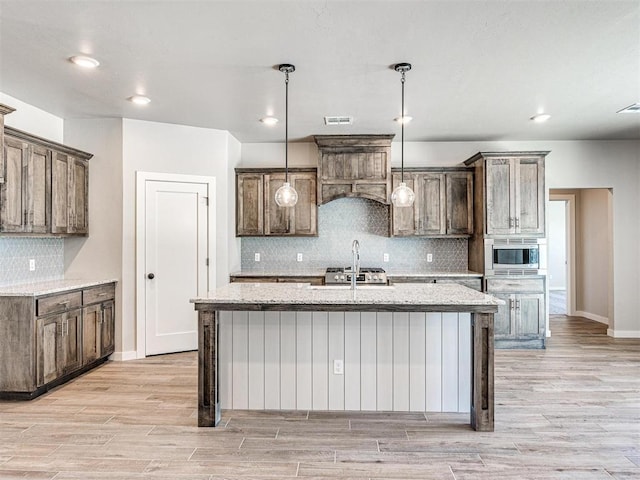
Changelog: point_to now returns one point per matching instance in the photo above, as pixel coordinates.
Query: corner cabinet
(443, 206)
(520, 322)
(514, 192)
(49, 339)
(257, 214)
(44, 186)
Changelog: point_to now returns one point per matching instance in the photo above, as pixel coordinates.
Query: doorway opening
(580, 248)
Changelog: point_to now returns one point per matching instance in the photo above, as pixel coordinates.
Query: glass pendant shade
(403, 196)
(286, 195)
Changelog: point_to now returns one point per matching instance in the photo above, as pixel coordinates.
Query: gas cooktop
(337, 275)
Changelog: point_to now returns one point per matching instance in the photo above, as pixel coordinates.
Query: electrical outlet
(299, 257)
(256, 257)
(338, 367)
(385, 257)
(32, 265)
(429, 257)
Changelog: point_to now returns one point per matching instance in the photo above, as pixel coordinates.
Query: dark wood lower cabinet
(47, 340)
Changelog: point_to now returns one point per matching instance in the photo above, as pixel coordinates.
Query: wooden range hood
(354, 166)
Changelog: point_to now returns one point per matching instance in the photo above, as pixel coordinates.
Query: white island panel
(392, 361)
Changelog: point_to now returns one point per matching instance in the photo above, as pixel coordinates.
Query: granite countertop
(299, 296)
(441, 274)
(321, 272)
(51, 286)
(280, 273)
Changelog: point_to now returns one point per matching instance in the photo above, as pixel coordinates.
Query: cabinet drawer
(98, 294)
(515, 285)
(58, 303)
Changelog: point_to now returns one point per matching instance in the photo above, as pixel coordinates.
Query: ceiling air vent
(635, 108)
(338, 120)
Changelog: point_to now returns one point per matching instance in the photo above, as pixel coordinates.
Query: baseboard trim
(592, 316)
(124, 356)
(623, 333)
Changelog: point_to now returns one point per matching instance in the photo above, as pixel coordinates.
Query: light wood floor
(569, 412)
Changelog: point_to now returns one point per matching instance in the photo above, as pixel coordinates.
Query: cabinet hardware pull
(510, 222)
(517, 304)
(517, 222)
(66, 302)
(103, 294)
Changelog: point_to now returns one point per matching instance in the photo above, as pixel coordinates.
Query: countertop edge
(51, 287)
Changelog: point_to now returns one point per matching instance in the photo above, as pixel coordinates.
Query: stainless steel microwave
(515, 256)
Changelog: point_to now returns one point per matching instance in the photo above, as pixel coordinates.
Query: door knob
(151, 276)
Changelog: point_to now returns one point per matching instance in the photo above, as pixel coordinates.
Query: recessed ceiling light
(269, 120)
(84, 61)
(635, 108)
(139, 99)
(406, 119)
(541, 117)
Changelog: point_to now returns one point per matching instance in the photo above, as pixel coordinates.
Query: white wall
(99, 255)
(557, 245)
(168, 148)
(32, 119)
(571, 164)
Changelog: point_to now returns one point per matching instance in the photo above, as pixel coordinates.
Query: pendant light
(286, 195)
(402, 195)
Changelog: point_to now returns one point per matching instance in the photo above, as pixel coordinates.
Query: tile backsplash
(339, 223)
(15, 254)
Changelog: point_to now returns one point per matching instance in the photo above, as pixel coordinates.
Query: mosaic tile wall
(339, 223)
(15, 254)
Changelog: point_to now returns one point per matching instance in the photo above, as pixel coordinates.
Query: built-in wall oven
(515, 256)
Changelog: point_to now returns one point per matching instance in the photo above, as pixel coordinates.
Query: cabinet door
(403, 219)
(529, 194)
(49, 354)
(12, 208)
(304, 219)
(500, 196)
(249, 204)
(91, 318)
(430, 208)
(531, 315)
(107, 328)
(37, 189)
(60, 193)
(72, 341)
(504, 318)
(459, 188)
(277, 220)
(78, 196)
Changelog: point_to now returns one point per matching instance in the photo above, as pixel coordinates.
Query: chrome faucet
(355, 267)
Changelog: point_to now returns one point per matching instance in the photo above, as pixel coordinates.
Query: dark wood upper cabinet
(443, 205)
(44, 186)
(257, 213)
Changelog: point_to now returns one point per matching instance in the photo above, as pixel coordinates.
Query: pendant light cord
(286, 127)
(402, 134)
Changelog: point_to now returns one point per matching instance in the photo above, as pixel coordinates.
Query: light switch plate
(299, 257)
(32, 265)
(385, 257)
(256, 257)
(429, 257)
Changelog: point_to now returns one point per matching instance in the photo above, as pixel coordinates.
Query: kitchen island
(377, 300)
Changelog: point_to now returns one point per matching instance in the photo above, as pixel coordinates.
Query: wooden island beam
(305, 298)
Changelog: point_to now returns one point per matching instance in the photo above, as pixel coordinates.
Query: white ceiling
(481, 69)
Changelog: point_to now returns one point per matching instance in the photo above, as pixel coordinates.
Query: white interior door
(175, 263)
